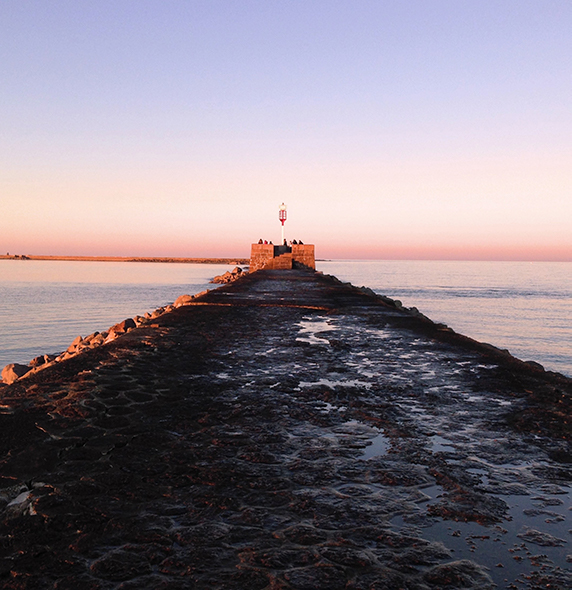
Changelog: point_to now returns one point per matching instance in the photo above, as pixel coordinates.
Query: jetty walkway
(286, 431)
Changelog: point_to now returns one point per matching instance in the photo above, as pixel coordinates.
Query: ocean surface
(525, 307)
(521, 306)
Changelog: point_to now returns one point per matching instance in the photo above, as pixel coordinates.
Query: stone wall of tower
(281, 257)
(280, 262)
(260, 256)
(304, 254)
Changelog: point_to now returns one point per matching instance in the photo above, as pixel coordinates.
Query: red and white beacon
(282, 217)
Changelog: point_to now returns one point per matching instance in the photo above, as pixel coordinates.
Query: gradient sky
(391, 129)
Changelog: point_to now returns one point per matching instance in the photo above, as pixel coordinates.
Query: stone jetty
(286, 431)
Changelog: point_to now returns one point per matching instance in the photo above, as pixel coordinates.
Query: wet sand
(287, 431)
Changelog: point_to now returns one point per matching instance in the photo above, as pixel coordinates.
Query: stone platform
(287, 431)
(270, 257)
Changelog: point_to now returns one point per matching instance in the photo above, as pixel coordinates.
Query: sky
(412, 129)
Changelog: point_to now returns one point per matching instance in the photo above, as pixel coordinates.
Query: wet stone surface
(287, 431)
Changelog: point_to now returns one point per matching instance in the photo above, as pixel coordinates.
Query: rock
(90, 337)
(13, 371)
(42, 360)
(120, 565)
(64, 356)
(229, 277)
(459, 574)
(541, 538)
(98, 340)
(535, 365)
(223, 279)
(183, 300)
(74, 345)
(19, 505)
(368, 291)
(322, 575)
(122, 327)
(87, 342)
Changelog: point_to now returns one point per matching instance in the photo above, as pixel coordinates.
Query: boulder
(90, 338)
(13, 371)
(535, 365)
(122, 327)
(183, 300)
(98, 340)
(64, 356)
(227, 277)
(139, 319)
(74, 345)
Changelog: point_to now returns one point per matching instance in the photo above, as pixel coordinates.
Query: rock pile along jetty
(286, 431)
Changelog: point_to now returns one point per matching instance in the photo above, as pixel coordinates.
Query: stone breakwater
(14, 371)
(286, 431)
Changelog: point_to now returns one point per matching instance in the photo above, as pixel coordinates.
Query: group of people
(291, 243)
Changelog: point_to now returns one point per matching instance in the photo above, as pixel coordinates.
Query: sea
(525, 307)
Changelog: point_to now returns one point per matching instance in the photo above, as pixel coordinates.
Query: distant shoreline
(163, 259)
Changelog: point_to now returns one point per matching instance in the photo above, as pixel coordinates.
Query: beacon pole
(282, 217)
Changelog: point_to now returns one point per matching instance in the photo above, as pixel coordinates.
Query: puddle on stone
(310, 328)
(376, 447)
(482, 474)
(501, 402)
(326, 408)
(439, 388)
(534, 537)
(440, 444)
(333, 384)
(378, 333)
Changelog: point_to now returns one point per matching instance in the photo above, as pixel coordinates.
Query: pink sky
(416, 130)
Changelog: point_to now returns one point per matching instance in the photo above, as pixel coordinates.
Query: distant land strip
(127, 259)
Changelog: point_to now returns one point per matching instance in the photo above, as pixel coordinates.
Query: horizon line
(227, 259)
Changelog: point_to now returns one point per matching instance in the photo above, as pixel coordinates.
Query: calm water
(44, 305)
(525, 307)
